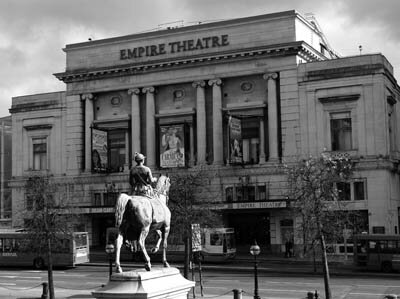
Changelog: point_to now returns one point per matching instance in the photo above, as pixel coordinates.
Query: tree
(314, 197)
(47, 220)
(188, 205)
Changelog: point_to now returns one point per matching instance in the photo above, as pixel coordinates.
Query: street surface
(218, 283)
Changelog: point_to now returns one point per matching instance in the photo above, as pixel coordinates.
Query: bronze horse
(136, 215)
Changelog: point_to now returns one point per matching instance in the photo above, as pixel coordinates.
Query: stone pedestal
(141, 284)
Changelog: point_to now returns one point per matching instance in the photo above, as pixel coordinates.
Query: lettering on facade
(253, 205)
(175, 47)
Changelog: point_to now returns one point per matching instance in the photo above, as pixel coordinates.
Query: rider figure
(141, 178)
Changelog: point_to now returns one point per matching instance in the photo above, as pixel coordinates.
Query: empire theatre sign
(175, 47)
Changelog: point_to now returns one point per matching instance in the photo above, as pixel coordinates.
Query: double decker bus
(14, 252)
(377, 252)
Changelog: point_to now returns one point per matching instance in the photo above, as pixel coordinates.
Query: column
(217, 121)
(191, 161)
(150, 126)
(135, 120)
(272, 116)
(89, 116)
(200, 121)
(262, 142)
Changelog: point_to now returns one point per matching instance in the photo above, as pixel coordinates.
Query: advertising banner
(99, 150)
(172, 146)
(235, 140)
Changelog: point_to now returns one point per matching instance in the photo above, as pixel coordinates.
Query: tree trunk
(328, 294)
(50, 269)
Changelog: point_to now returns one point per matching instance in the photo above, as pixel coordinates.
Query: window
(343, 190)
(39, 153)
(251, 140)
(341, 131)
(354, 190)
(359, 191)
(243, 193)
(117, 150)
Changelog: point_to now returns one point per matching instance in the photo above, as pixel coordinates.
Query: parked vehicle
(217, 244)
(14, 251)
(377, 252)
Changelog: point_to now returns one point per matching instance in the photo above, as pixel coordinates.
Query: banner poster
(172, 146)
(99, 150)
(235, 140)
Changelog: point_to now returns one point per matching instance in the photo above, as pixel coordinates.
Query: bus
(75, 250)
(217, 244)
(377, 252)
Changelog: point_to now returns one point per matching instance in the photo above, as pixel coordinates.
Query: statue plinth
(141, 284)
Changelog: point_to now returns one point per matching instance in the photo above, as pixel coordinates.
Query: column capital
(149, 89)
(197, 84)
(216, 82)
(134, 91)
(270, 76)
(87, 96)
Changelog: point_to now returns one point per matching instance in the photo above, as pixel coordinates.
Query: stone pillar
(217, 121)
(89, 117)
(135, 120)
(191, 131)
(200, 121)
(272, 116)
(262, 142)
(150, 126)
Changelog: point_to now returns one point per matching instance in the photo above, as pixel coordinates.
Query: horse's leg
(165, 233)
(155, 248)
(142, 238)
(118, 244)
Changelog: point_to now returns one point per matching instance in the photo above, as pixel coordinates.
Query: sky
(34, 32)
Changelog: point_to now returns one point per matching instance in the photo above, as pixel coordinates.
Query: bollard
(237, 294)
(45, 291)
(310, 295)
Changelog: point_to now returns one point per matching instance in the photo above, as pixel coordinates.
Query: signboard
(196, 238)
(235, 140)
(172, 146)
(252, 205)
(99, 150)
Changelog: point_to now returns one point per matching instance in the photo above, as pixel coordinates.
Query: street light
(110, 251)
(255, 250)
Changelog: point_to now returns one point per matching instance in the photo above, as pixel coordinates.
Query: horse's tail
(120, 208)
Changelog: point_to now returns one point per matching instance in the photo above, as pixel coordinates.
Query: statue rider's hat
(139, 157)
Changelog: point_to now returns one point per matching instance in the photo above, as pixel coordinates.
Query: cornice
(294, 48)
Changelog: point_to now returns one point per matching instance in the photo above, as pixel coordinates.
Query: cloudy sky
(33, 32)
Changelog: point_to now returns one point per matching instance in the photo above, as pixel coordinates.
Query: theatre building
(237, 98)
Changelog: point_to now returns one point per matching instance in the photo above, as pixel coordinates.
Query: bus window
(216, 239)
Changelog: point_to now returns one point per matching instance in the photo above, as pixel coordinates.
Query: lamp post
(110, 251)
(255, 250)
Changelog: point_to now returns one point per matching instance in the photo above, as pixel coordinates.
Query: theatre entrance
(250, 226)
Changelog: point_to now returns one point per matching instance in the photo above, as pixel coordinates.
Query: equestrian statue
(143, 211)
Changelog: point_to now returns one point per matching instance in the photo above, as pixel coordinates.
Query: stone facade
(274, 73)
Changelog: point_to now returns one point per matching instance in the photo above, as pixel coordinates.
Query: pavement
(243, 262)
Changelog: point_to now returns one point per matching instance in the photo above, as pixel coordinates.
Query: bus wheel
(387, 267)
(38, 263)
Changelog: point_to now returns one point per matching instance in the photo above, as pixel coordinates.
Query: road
(81, 281)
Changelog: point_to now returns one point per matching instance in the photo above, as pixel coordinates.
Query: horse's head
(163, 185)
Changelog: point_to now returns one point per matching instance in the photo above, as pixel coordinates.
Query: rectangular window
(341, 131)
(359, 191)
(29, 203)
(116, 150)
(229, 194)
(251, 140)
(343, 189)
(39, 153)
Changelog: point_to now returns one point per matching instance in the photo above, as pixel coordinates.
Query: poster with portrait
(235, 140)
(99, 150)
(172, 146)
